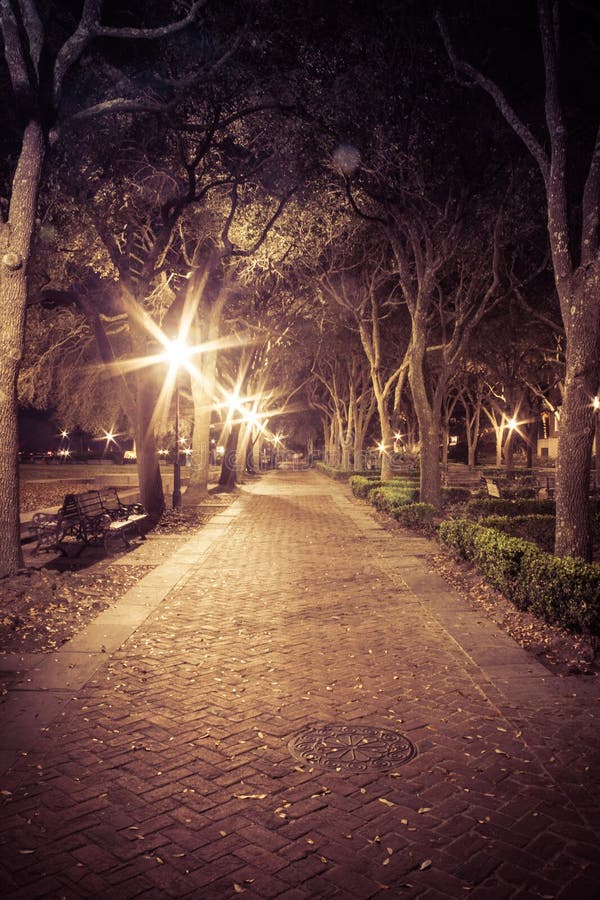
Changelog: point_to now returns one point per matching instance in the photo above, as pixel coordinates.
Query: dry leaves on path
(53, 598)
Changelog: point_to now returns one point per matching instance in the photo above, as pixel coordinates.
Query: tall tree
(40, 60)
(567, 153)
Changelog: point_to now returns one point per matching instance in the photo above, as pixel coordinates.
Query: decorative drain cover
(357, 748)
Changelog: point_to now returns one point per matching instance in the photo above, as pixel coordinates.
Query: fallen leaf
(425, 864)
(249, 796)
(386, 802)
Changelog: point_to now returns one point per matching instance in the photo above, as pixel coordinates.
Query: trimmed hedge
(339, 474)
(453, 495)
(490, 506)
(564, 591)
(391, 495)
(539, 530)
(362, 484)
(416, 515)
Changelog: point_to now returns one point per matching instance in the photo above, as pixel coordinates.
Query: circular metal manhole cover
(357, 748)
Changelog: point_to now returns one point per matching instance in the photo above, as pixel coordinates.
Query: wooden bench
(84, 518)
(493, 488)
(509, 489)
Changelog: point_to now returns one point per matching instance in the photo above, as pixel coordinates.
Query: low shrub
(362, 484)
(420, 516)
(564, 591)
(390, 496)
(490, 506)
(537, 529)
(332, 471)
(454, 495)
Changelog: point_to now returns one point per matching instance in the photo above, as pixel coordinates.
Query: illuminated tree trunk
(203, 397)
(151, 487)
(15, 249)
(228, 477)
(429, 417)
(576, 426)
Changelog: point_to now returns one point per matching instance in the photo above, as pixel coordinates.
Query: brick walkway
(167, 769)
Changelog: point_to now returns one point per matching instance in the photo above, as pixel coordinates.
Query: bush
(564, 591)
(362, 484)
(332, 471)
(537, 529)
(479, 508)
(453, 495)
(416, 515)
(390, 496)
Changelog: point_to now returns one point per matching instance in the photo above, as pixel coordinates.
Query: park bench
(114, 506)
(510, 490)
(492, 487)
(85, 519)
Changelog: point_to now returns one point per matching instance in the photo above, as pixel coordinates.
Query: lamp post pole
(176, 465)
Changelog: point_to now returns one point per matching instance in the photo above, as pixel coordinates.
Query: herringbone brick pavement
(171, 774)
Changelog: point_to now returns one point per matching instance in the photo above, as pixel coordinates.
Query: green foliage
(416, 515)
(453, 495)
(391, 496)
(564, 591)
(362, 484)
(490, 506)
(537, 528)
(332, 472)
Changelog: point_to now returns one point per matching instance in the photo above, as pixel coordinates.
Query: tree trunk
(429, 417)
(148, 467)
(509, 448)
(345, 464)
(575, 438)
(199, 470)
(15, 249)
(387, 439)
(206, 329)
(227, 480)
(431, 475)
(359, 453)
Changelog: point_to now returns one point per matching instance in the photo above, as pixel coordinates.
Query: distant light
(64, 433)
(512, 423)
(381, 446)
(596, 402)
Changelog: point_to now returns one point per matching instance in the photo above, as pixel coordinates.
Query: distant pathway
(303, 627)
